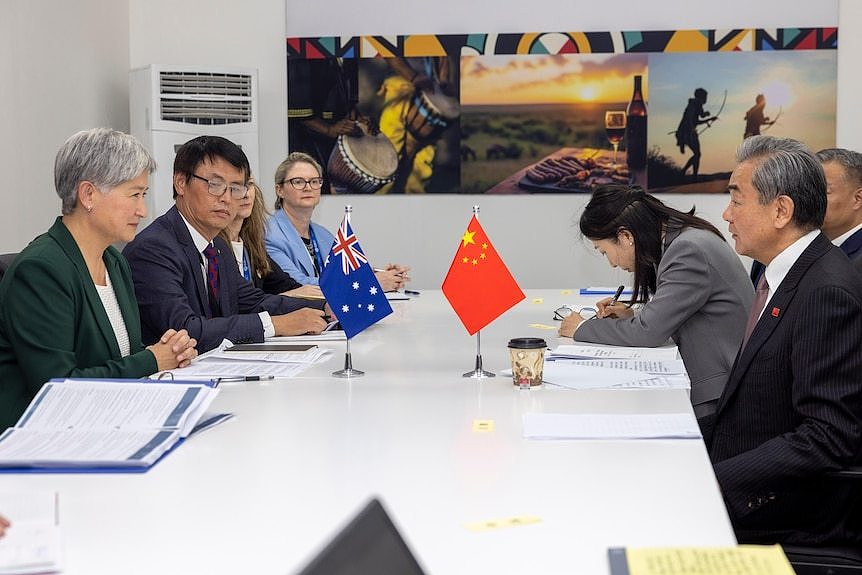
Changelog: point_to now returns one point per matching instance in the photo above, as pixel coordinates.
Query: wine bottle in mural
(636, 130)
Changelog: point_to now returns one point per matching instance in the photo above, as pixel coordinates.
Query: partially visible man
(185, 275)
(843, 221)
(792, 409)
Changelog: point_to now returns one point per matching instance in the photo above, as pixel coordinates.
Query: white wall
(65, 67)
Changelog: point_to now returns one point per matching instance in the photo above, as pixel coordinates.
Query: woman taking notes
(693, 287)
(67, 305)
(297, 244)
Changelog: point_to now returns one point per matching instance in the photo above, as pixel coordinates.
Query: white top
(843, 237)
(265, 491)
(115, 316)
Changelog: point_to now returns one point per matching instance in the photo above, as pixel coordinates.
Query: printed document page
(33, 543)
(588, 351)
(610, 426)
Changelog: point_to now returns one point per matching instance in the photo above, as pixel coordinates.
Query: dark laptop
(369, 545)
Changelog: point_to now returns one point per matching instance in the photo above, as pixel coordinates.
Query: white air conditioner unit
(170, 105)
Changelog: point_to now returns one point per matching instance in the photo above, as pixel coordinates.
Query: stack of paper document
(561, 373)
(103, 424)
(33, 543)
(270, 359)
(592, 351)
(610, 426)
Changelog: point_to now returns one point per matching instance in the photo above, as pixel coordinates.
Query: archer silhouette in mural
(687, 134)
(754, 117)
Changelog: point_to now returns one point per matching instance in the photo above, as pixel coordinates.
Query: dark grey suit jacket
(792, 409)
(172, 293)
(701, 301)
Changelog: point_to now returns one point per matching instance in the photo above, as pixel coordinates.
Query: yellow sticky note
(483, 425)
(490, 524)
(566, 292)
(538, 300)
(543, 326)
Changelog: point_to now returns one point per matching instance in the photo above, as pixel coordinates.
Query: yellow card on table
(480, 526)
(739, 560)
(538, 300)
(483, 425)
(566, 292)
(544, 326)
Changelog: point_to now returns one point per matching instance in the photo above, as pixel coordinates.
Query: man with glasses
(185, 275)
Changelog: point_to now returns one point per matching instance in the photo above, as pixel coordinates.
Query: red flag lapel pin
(775, 312)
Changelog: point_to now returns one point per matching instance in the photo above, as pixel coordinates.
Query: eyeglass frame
(565, 311)
(305, 183)
(234, 188)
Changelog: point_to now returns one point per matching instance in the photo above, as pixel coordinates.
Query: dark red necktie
(212, 278)
(756, 308)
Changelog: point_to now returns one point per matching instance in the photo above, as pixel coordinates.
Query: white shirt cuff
(266, 321)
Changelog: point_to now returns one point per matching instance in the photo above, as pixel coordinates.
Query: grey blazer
(701, 302)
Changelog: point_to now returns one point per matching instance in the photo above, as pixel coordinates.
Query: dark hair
(192, 153)
(700, 94)
(786, 167)
(615, 208)
(850, 161)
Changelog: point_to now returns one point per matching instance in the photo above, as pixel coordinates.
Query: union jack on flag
(352, 289)
(347, 246)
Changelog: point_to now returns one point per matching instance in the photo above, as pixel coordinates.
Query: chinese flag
(478, 286)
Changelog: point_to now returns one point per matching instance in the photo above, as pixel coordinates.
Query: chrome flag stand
(479, 373)
(348, 370)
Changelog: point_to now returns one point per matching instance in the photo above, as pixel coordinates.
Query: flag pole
(348, 370)
(478, 372)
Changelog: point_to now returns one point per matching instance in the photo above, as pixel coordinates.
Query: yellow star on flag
(468, 238)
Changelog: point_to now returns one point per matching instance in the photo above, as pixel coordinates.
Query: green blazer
(53, 323)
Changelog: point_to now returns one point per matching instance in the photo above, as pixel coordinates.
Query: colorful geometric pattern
(742, 39)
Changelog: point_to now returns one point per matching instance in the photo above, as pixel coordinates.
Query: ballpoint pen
(246, 378)
(617, 295)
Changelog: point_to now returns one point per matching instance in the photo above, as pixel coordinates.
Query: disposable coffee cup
(528, 360)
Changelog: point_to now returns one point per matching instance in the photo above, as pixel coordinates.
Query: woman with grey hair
(67, 302)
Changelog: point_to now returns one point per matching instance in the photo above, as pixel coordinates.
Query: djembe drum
(362, 163)
(430, 113)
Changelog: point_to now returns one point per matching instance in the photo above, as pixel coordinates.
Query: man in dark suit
(842, 223)
(792, 408)
(186, 276)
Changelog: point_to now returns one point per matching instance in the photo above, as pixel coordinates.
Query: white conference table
(263, 492)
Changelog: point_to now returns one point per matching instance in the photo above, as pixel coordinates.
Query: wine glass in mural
(615, 128)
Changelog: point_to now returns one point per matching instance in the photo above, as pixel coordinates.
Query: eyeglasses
(217, 188)
(300, 183)
(565, 311)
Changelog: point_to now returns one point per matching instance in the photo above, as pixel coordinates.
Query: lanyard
(318, 262)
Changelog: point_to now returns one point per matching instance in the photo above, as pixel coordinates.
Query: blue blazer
(792, 409)
(172, 293)
(287, 249)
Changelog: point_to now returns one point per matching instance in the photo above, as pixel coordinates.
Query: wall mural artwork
(554, 112)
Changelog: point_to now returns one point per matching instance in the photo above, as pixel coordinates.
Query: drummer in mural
(419, 103)
(322, 105)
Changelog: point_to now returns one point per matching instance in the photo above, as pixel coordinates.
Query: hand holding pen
(610, 307)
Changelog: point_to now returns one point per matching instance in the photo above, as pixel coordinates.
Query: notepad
(740, 560)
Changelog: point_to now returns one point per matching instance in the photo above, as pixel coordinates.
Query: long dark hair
(615, 208)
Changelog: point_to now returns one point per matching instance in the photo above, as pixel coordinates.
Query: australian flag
(350, 286)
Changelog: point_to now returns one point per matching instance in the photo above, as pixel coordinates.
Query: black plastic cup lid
(527, 343)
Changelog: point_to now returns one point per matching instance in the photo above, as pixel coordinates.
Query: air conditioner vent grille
(205, 84)
(207, 113)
